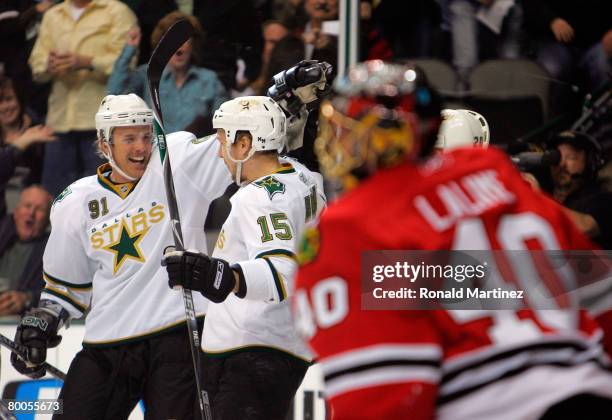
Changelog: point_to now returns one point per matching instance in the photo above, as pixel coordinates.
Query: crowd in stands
(58, 59)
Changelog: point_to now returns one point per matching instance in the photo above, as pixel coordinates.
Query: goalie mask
(462, 128)
(260, 116)
(120, 111)
(382, 114)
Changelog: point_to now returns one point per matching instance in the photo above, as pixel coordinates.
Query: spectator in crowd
(22, 242)
(411, 31)
(190, 92)
(312, 42)
(465, 28)
(78, 43)
(570, 37)
(149, 13)
(573, 42)
(316, 36)
(575, 184)
(19, 22)
(273, 31)
(291, 12)
(233, 34)
(21, 139)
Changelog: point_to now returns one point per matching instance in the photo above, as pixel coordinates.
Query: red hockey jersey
(447, 364)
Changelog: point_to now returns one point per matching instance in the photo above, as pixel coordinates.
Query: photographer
(574, 183)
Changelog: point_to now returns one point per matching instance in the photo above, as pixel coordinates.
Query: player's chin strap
(111, 161)
(238, 162)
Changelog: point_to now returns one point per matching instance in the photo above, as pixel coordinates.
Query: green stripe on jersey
(52, 279)
(275, 252)
(66, 299)
(280, 288)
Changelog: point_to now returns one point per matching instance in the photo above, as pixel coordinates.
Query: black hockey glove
(213, 277)
(36, 332)
(298, 91)
(302, 84)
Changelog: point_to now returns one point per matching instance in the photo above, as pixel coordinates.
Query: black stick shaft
(176, 36)
(10, 344)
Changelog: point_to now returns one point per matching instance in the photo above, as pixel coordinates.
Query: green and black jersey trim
(278, 282)
(277, 253)
(242, 286)
(286, 168)
(105, 182)
(55, 280)
(66, 299)
(253, 348)
(154, 333)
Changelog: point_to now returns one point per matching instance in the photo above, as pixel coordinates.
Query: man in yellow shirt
(78, 43)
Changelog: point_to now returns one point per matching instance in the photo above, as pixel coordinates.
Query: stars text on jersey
(122, 236)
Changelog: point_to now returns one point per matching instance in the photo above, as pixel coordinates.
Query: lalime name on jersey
(454, 293)
(472, 195)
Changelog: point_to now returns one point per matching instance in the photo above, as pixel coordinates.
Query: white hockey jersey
(259, 238)
(107, 241)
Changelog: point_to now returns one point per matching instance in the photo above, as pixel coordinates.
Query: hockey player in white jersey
(255, 361)
(103, 258)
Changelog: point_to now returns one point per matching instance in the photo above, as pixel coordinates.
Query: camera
(589, 132)
(529, 161)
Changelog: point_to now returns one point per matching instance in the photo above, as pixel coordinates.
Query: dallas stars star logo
(271, 185)
(126, 246)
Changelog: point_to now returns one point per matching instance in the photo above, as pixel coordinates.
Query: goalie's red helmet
(382, 114)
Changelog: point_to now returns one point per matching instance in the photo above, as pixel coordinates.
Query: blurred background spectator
(290, 12)
(233, 36)
(273, 31)
(149, 13)
(575, 183)
(412, 30)
(316, 40)
(78, 43)
(21, 139)
(191, 93)
(23, 238)
(468, 18)
(573, 42)
(320, 33)
(19, 24)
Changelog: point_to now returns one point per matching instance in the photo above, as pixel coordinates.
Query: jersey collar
(122, 190)
(286, 168)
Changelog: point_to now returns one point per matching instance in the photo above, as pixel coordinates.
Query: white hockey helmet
(121, 110)
(462, 128)
(259, 115)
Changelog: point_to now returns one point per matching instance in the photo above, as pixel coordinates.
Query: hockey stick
(177, 35)
(5, 413)
(10, 344)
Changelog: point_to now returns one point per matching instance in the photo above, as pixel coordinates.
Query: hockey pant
(107, 383)
(581, 406)
(252, 384)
